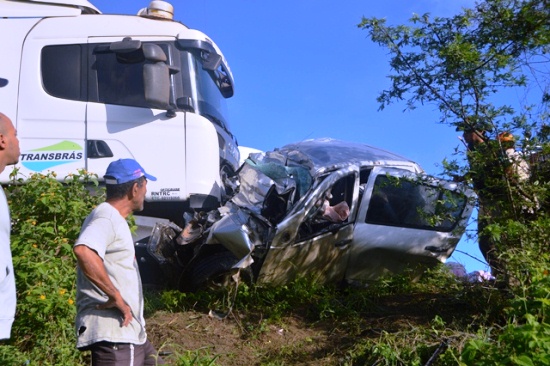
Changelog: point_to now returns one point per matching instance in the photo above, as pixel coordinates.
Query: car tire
(215, 272)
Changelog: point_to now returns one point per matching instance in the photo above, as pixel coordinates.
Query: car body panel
(305, 244)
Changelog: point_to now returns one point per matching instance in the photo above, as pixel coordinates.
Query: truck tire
(215, 272)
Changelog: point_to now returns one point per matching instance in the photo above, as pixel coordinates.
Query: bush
(46, 218)
(525, 340)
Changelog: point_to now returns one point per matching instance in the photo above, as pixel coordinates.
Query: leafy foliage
(459, 63)
(468, 65)
(46, 218)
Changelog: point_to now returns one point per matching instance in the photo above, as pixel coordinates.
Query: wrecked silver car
(327, 209)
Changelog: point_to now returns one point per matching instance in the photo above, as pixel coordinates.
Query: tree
(466, 65)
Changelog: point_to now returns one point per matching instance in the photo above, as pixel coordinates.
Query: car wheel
(215, 272)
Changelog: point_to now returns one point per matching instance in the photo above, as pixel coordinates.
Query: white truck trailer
(85, 88)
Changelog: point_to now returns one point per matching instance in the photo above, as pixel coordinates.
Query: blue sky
(303, 69)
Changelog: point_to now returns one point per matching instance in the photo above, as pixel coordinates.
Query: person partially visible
(459, 271)
(337, 213)
(518, 169)
(9, 155)
(498, 174)
(109, 298)
(476, 143)
(487, 179)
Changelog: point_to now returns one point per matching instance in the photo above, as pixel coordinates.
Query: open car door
(406, 221)
(305, 243)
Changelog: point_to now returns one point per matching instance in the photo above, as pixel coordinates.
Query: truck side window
(63, 72)
(119, 81)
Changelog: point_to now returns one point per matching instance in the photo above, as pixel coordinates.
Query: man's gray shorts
(124, 354)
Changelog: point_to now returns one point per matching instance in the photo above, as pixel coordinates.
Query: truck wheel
(215, 272)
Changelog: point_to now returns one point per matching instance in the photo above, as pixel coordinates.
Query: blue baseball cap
(125, 170)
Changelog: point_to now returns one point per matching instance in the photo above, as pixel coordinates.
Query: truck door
(51, 109)
(120, 120)
(404, 221)
(306, 244)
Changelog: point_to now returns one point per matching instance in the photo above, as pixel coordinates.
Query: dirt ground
(246, 340)
(229, 339)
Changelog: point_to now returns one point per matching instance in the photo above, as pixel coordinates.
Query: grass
(394, 321)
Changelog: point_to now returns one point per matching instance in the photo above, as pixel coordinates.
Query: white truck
(85, 88)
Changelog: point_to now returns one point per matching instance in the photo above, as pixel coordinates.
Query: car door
(406, 221)
(305, 243)
(120, 123)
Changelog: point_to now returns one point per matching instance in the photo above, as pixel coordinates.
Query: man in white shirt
(109, 298)
(9, 154)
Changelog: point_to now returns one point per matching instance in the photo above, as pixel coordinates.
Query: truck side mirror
(153, 52)
(156, 79)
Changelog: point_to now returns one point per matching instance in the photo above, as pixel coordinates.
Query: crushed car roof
(328, 154)
(291, 170)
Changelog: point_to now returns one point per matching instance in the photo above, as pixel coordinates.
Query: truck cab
(85, 88)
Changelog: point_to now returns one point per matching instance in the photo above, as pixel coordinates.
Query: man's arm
(92, 266)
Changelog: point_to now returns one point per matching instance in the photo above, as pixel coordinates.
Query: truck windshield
(207, 86)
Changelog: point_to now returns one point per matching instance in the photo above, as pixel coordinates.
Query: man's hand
(119, 303)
